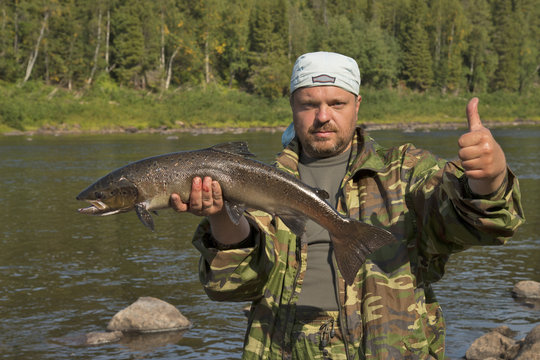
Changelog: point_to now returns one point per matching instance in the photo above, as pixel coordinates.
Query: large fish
(146, 185)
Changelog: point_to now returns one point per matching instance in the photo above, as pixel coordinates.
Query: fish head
(108, 196)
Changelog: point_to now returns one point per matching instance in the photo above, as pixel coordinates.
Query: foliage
(108, 106)
(438, 45)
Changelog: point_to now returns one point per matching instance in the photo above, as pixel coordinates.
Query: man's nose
(323, 113)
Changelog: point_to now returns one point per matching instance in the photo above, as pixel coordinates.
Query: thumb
(472, 115)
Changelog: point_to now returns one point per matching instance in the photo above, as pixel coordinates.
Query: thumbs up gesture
(481, 156)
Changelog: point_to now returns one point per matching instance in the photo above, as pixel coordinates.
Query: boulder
(493, 345)
(527, 289)
(530, 350)
(149, 314)
(98, 338)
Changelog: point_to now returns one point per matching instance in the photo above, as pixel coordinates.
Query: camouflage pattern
(319, 338)
(390, 311)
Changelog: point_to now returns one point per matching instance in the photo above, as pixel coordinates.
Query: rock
(493, 344)
(148, 342)
(506, 331)
(98, 338)
(527, 289)
(530, 350)
(149, 314)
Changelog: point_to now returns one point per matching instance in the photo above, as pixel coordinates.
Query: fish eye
(99, 195)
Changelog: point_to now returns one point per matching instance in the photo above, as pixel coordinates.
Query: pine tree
(8, 35)
(66, 52)
(232, 52)
(528, 15)
(417, 62)
(506, 42)
(479, 58)
(301, 23)
(448, 28)
(378, 56)
(270, 67)
(128, 44)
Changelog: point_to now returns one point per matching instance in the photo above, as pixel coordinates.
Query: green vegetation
(451, 46)
(111, 107)
(96, 64)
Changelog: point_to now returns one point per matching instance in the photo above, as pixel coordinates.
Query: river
(63, 274)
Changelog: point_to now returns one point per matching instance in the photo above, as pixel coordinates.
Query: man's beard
(318, 148)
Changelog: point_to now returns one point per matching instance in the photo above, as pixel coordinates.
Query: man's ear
(358, 101)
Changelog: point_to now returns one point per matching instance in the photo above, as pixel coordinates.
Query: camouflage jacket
(390, 311)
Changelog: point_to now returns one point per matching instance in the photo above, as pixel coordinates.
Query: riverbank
(405, 127)
(106, 108)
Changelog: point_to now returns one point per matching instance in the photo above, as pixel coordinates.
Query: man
(302, 308)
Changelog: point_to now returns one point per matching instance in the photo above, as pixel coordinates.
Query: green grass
(106, 106)
(392, 106)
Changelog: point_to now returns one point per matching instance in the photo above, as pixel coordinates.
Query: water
(63, 274)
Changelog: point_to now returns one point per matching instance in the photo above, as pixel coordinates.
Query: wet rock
(530, 350)
(149, 314)
(99, 338)
(499, 344)
(527, 289)
(493, 345)
(506, 331)
(90, 339)
(148, 342)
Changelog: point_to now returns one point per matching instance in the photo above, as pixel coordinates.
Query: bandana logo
(324, 79)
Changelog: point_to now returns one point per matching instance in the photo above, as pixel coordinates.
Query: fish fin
(235, 211)
(234, 147)
(355, 243)
(322, 194)
(144, 215)
(296, 223)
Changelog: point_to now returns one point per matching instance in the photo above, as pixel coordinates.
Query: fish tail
(354, 242)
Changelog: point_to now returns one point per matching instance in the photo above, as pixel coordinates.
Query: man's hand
(482, 157)
(206, 199)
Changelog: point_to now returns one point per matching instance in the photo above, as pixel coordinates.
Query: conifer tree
(128, 44)
(506, 42)
(416, 58)
(268, 49)
(448, 28)
(528, 15)
(479, 57)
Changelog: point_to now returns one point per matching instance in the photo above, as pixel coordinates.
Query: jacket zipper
(341, 315)
(286, 353)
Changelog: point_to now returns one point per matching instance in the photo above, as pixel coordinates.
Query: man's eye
(308, 106)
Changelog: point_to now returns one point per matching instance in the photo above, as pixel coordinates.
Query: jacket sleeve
(234, 274)
(449, 217)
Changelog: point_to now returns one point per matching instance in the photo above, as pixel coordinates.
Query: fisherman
(301, 306)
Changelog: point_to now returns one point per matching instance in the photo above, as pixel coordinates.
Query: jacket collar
(365, 156)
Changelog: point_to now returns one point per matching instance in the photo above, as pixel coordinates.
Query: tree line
(444, 45)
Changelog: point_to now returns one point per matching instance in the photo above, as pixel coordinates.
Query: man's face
(324, 119)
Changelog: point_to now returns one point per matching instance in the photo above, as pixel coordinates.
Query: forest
(449, 47)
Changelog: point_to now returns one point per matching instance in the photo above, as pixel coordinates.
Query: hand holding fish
(482, 157)
(206, 200)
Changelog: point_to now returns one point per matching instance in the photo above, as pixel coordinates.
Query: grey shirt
(318, 287)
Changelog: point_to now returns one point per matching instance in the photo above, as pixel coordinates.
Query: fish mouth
(97, 207)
